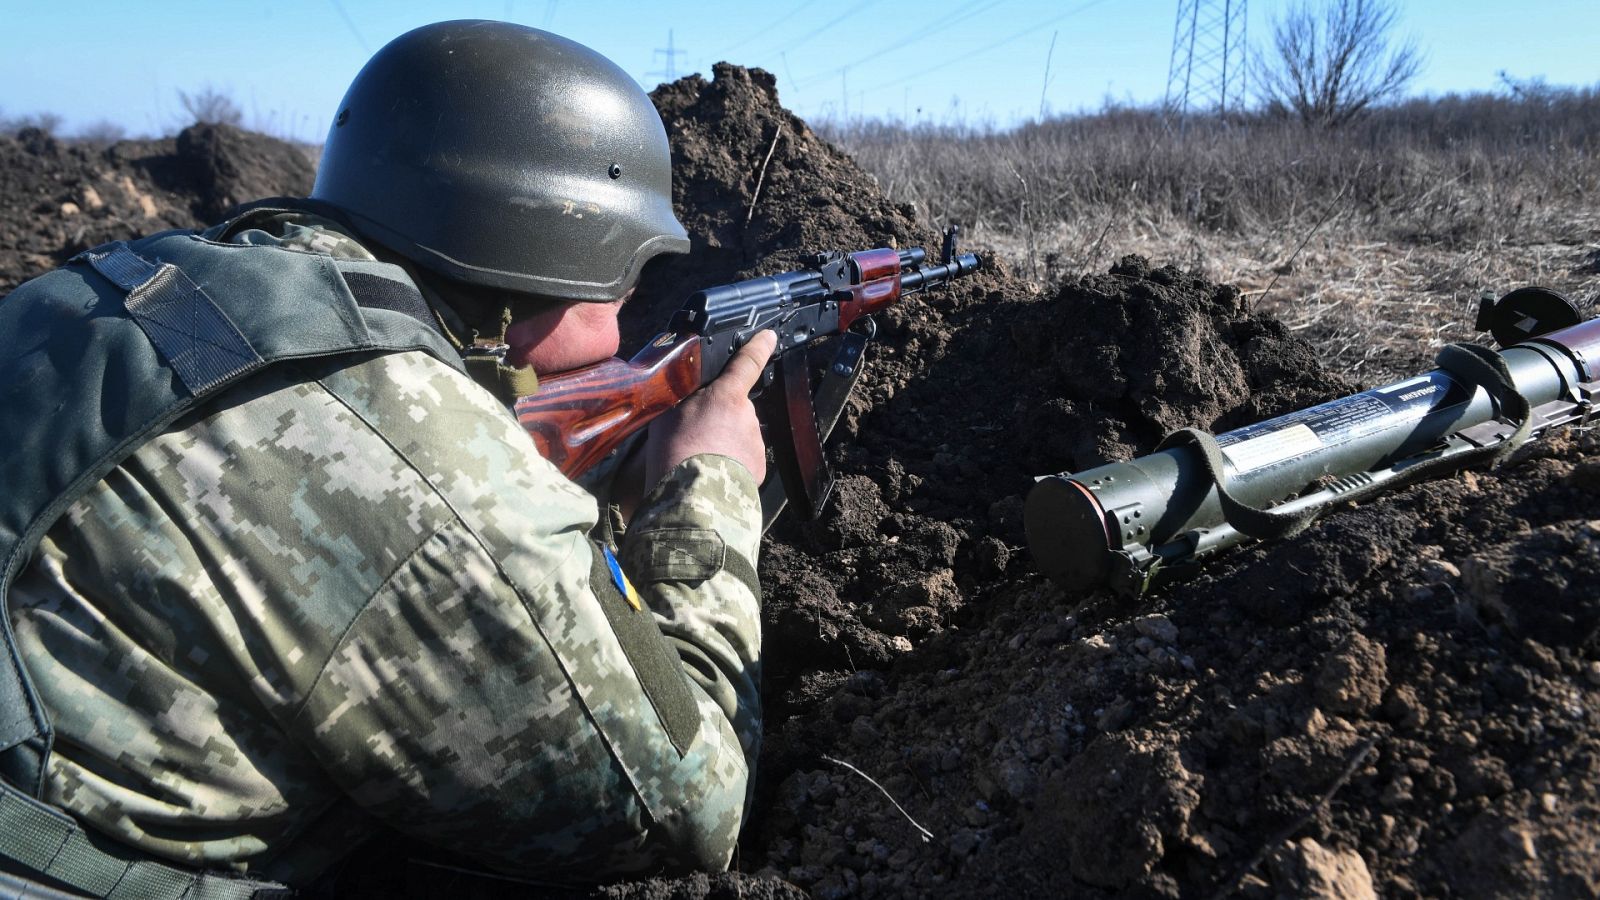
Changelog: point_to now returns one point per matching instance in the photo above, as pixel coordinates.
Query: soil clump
(1400, 700)
(59, 198)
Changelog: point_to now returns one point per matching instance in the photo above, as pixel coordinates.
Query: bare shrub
(1450, 169)
(210, 106)
(47, 122)
(1330, 64)
(101, 133)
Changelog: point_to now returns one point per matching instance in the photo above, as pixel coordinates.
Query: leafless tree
(210, 106)
(1330, 62)
(102, 133)
(47, 122)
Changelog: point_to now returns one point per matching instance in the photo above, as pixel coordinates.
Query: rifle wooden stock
(578, 417)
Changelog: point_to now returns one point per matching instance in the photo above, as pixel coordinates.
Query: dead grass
(1375, 240)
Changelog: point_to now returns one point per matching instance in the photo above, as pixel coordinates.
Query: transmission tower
(1207, 72)
(669, 71)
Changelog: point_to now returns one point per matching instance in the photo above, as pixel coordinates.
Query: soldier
(279, 569)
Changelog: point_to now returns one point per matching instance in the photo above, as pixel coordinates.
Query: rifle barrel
(928, 276)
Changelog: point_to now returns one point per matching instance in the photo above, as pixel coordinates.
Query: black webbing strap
(51, 843)
(1478, 366)
(196, 338)
(1472, 364)
(375, 291)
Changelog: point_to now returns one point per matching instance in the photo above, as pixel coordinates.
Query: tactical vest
(95, 359)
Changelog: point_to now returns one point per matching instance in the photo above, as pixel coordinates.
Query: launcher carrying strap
(1473, 365)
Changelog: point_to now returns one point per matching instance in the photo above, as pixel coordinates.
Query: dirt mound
(1410, 685)
(1140, 352)
(746, 175)
(1362, 705)
(58, 198)
(1405, 697)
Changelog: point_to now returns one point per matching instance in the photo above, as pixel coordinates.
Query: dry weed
(1375, 240)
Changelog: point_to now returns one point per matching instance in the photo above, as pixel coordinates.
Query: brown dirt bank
(1403, 698)
(58, 198)
(1437, 643)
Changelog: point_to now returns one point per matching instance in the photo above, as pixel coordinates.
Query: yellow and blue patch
(621, 580)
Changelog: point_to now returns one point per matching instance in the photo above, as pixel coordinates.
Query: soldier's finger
(745, 367)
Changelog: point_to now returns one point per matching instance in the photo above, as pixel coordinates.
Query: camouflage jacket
(476, 696)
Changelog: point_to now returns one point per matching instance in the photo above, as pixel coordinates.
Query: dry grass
(1375, 240)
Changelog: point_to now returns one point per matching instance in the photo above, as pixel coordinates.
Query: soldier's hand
(718, 419)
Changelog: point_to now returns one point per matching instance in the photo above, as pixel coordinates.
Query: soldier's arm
(489, 700)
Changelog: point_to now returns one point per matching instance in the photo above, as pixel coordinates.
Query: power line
(1026, 32)
(942, 27)
(767, 29)
(1048, 57)
(860, 7)
(351, 24)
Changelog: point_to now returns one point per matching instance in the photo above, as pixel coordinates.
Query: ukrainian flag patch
(621, 580)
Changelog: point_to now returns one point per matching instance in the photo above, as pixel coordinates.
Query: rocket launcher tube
(1121, 522)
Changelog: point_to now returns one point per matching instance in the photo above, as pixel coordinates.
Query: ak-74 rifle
(1128, 524)
(577, 418)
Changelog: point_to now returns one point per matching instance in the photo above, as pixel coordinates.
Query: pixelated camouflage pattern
(295, 230)
(351, 591)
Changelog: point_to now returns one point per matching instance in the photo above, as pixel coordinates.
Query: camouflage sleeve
(482, 700)
(692, 545)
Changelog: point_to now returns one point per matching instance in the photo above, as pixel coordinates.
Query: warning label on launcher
(1341, 421)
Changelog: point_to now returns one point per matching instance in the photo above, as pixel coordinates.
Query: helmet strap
(475, 323)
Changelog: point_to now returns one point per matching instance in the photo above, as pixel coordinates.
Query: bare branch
(1329, 64)
(210, 106)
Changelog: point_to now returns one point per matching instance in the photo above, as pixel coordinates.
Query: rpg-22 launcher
(1128, 523)
(577, 418)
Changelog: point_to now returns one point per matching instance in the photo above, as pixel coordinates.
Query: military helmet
(507, 157)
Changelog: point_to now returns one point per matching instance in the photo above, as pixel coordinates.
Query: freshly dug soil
(57, 199)
(1401, 700)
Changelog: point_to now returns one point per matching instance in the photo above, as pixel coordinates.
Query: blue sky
(287, 63)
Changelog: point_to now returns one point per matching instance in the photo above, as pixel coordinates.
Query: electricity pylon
(1207, 72)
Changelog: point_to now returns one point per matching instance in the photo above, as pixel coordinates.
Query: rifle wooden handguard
(578, 417)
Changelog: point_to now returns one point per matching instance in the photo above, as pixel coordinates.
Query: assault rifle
(577, 418)
(1129, 523)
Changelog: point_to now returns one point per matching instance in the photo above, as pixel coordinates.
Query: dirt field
(1402, 701)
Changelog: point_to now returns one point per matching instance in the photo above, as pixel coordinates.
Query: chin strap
(486, 363)
(478, 330)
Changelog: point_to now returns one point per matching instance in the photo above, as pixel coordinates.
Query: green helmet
(506, 157)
